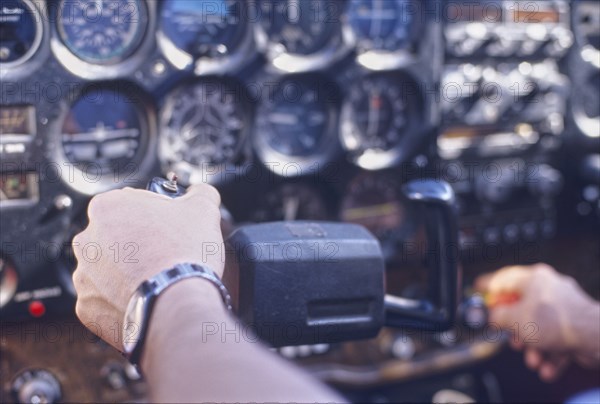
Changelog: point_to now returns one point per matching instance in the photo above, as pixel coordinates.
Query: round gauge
(106, 136)
(302, 35)
(374, 201)
(296, 124)
(383, 25)
(21, 31)
(376, 118)
(8, 282)
(291, 202)
(203, 28)
(102, 32)
(202, 125)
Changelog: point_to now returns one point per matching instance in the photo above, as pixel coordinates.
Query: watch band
(146, 295)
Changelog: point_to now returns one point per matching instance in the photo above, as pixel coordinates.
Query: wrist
(588, 332)
(178, 311)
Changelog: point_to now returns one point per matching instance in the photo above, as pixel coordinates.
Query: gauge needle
(294, 5)
(290, 208)
(279, 118)
(376, 26)
(101, 136)
(374, 105)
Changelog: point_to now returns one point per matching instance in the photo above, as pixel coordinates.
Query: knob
(548, 181)
(36, 386)
(496, 190)
(474, 312)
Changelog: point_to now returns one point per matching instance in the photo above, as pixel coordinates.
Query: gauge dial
(202, 125)
(374, 200)
(291, 202)
(301, 27)
(375, 120)
(296, 123)
(384, 25)
(105, 134)
(204, 28)
(103, 32)
(20, 31)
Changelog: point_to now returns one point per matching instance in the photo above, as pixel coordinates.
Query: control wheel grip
(438, 313)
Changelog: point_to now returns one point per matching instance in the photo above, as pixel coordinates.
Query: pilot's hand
(133, 235)
(550, 316)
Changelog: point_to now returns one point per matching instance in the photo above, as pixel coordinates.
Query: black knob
(36, 386)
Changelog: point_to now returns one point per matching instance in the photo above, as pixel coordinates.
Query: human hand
(133, 235)
(546, 320)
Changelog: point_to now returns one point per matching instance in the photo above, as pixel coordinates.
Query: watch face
(132, 324)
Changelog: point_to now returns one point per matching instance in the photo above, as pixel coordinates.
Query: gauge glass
(385, 25)
(20, 31)
(103, 32)
(104, 133)
(296, 120)
(204, 28)
(376, 119)
(301, 27)
(202, 125)
(291, 202)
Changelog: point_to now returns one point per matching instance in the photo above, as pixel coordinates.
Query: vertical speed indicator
(377, 117)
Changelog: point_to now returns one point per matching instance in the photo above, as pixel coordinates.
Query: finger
(516, 344)
(553, 367)
(482, 282)
(509, 279)
(533, 358)
(202, 192)
(145, 193)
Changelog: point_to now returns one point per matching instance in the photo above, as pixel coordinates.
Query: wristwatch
(139, 309)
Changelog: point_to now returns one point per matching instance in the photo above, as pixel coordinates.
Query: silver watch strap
(168, 277)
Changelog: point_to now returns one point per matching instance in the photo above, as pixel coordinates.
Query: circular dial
(374, 200)
(103, 133)
(102, 31)
(291, 202)
(375, 120)
(202, 125)
(296, 120)
(20, 31)
(204, 28)
(386, 25)
(301, 27)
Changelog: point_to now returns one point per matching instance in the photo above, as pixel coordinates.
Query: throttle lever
(166, 186)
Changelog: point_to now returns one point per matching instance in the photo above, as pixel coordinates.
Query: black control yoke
(317, 282)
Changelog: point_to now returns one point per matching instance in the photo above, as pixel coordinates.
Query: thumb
(504, 316)
(202, 192)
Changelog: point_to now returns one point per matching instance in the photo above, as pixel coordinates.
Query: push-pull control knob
(496, 189)
(548, 182)
(36, 386)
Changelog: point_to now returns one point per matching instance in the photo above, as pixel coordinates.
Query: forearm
(193, 341)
